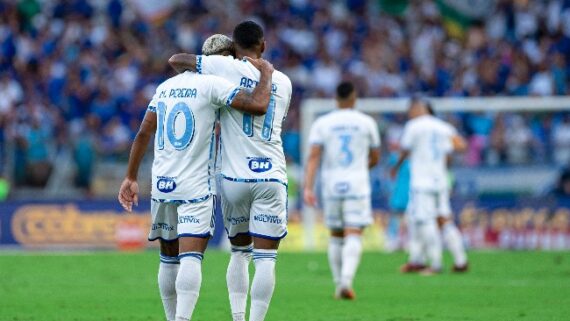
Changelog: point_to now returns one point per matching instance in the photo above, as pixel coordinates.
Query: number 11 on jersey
(267, 128)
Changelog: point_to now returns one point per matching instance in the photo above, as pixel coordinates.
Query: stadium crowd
(76, 75)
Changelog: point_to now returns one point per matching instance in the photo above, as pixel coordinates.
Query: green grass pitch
(107, 286)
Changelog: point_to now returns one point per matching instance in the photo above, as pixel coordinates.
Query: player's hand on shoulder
(261, 64)
(129, 194)
(310, 197)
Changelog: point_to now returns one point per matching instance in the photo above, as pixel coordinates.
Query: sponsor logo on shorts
(188, 219)
(165, 184)
(162, 226)
(260, 164)
(266, 218)
(237, 220)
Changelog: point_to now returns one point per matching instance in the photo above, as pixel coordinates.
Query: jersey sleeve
(316, 135)
(213, 65)
(154, 101)
(222, 92)
(374, 134)
(407, 137)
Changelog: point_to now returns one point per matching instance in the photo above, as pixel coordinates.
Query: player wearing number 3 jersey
(182, 115)
(254, 179)
(345, 144)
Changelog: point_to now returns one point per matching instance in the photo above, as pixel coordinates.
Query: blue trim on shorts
(267, 237)
(254, 180)
(237, 234)
(191, 201)
(202, 236)
(161, 239)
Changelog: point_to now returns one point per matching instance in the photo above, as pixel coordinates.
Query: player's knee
(337, 233)
(192, 244)
(352, 231)
(169, 248)
(241, 240)
(265, 244)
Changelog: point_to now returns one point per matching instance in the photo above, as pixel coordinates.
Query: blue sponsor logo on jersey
(166, 184)
(260, 164)
(342, 187)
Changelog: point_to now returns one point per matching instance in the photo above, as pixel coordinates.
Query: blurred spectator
(518, 139)
(561, 142)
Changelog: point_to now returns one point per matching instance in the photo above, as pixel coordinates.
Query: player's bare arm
(404, 154)
(182, 62)
(128, 193)
(373, 157)
(312, 166)
(458, 143)
(256, 102)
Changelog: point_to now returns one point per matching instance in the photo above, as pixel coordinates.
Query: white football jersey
(346, 137)
(429, 141)
(186, 108)
(252, 149)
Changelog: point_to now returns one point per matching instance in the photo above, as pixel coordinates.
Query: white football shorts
(171, 220)
(346, 212)
(427, 205)
(255, 208)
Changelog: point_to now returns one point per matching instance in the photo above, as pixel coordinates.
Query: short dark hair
(422, 100)
(248, 34)
(344, 89)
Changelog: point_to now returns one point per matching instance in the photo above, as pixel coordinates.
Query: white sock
(188, 284)
(335, 258)
(237, 278)
(415, 244)
(431, 240)
(351, 253)
(454, 243)
(167, 272)
(263, 283)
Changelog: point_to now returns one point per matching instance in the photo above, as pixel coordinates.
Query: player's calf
(167, 272)
(189, 278)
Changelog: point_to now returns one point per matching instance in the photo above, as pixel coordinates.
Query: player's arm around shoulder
(256, 102)
(182, 62)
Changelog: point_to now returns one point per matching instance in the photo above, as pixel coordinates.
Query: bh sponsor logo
(266, 218)
(260, 164)
(189, 219)
(166, 184)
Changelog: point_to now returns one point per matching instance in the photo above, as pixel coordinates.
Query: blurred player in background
(428, 141)
(345, 143)
(254, 184)
(182, 115)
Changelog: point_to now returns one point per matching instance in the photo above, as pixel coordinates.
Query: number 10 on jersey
(168, 123)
